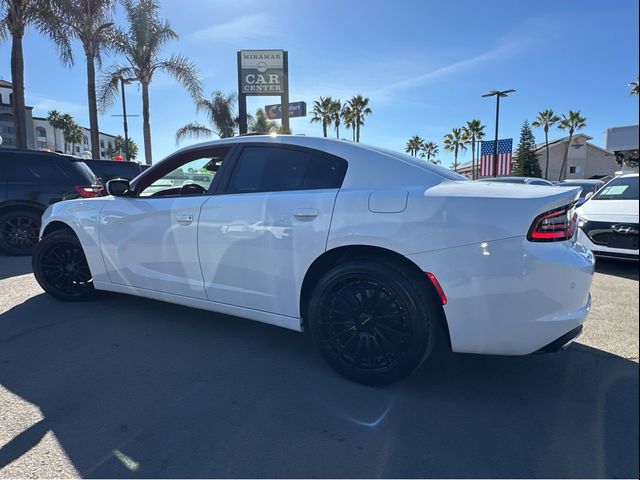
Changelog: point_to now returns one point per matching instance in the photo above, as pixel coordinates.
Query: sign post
(263, 72)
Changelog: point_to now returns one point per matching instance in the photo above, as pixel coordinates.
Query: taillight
(554, 226)
(89, 191)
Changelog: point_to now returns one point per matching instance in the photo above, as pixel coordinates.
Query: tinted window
(325, 171)
(625, 188)
(108, 170)
(31, 169)
(268, 169)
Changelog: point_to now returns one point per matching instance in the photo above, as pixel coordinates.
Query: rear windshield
(621, 188)
(86, 172)
(107, 170)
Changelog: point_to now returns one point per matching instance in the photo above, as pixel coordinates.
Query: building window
(101, 143)
(85, 141)
(41, 137)
(110, 146)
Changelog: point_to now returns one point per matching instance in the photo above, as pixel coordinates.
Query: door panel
(255, 248)
(151, 243)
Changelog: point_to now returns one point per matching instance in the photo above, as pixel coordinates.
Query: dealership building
(584, 159)
(40, 133)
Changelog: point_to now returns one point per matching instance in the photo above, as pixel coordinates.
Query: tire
(19, 230)
(61, 268)
(373, 321)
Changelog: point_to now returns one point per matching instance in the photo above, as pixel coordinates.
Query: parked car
(521, 180)
(30, 181)
(382, 258)
(107, 170)
(589, 187)
(608, 220)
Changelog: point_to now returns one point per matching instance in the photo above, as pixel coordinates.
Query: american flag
(505, 163)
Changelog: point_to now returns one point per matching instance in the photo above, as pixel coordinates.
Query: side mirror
(118, 187)
(588, 196)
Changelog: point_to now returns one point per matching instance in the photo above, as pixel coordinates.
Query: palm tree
(323, 112)
(414, 144)
(90, 22)
(15, 17)
(349, 119)
(54, 118)
(635, 89)
(429, 150)
(66, 124)
(474, 131)
(261, 124)
(455, 141)
(359, 106)
(141, 44)
(73, 134)
(220, 112)
(572, 122)
(546, 119)
(336, 116)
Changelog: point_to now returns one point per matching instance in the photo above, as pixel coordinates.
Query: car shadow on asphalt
(11, 266)
(137, 388)
(619, 268)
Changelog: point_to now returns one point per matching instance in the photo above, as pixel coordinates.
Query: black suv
(29, 182)
(107, 170)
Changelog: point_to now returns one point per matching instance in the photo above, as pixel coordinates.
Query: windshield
(622, 188)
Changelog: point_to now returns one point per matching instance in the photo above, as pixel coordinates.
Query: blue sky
(424, 64)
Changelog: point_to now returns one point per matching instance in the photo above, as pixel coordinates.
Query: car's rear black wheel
(373, 321)
(61, 268)
(19, 231)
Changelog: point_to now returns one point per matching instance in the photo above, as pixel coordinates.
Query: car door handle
(185, 219)
(306, 213)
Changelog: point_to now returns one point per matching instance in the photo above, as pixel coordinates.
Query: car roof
(358, 153)
(628, 175)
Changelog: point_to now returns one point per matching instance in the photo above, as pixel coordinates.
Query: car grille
(613, 235)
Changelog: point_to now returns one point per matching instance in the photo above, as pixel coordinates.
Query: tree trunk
(566, 155)
(455, 160)
(546, 143)
(146, 126)
(357, 133)
(17, 79)
(93, 106)
(338, 132)
(55, 139)
(324, 129)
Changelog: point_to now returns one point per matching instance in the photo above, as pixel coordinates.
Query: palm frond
(109, 85)
(185, 72)
(194, 130)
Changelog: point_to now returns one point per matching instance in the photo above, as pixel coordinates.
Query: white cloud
(246, 27)
(42, 105)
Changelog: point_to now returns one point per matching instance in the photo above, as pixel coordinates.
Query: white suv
(608, 221)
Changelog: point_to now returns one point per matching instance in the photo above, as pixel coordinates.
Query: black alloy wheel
(61, 268)
(372, 321)
(19, 232)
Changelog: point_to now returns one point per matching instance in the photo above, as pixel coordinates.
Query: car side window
(272, 169)
(35, 170)
(192, 178)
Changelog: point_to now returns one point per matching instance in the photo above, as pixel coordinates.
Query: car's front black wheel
(61, 268)
(373, 321)
(19, 231)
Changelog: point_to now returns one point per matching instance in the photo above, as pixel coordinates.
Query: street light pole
(124, 117)
(497, 94)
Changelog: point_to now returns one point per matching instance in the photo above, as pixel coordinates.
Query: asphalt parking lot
(127, 387)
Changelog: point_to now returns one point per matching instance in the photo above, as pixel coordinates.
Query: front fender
(81, 216)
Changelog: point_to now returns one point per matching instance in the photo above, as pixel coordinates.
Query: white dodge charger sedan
(381, 257)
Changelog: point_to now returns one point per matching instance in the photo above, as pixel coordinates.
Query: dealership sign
(296, 109)
(262, 72)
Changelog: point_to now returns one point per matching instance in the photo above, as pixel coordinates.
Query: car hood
(610, 210)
